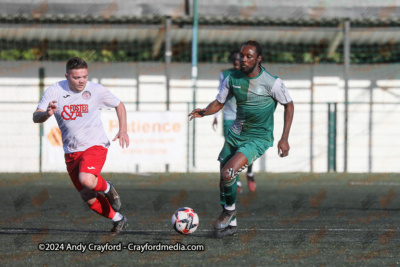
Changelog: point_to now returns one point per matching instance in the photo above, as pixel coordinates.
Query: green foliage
(181, 52)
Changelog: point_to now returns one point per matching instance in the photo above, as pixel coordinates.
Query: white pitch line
(353, 183)
(17, 230)
(245, 229)
(278, 230)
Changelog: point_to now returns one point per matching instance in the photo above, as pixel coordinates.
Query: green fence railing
(332, 109)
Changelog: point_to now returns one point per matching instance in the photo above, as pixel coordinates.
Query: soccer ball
(185, 221)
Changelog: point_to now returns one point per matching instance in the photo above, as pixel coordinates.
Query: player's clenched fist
(197, 113)
(52, 108)
(283, 148)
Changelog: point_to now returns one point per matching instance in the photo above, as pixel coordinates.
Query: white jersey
(79, 114)
(230, 106)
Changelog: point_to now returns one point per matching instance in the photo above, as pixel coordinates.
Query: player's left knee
(228, 174)
(88, 180)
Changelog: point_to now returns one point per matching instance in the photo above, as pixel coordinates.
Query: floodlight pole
(346, 88)
(41, 90)
(194, 73)
(312, 118)
(168, 54)
(370, 120)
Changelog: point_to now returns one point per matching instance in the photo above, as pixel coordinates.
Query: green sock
(230, 188)
(222, 199)
(250, 169)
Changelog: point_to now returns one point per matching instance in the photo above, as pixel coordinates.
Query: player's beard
(249, 70)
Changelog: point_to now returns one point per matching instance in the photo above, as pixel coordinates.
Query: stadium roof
(297, 9)
(134, 29)
(299, 22)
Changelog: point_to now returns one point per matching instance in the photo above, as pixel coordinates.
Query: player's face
(236, 61)
(77, 79)
(248, 59)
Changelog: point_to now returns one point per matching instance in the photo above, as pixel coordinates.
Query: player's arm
(283, 144)
(40, 115)
(122, 134)
(212, 108)
(221, 81)
(225, 93)
(281, 94)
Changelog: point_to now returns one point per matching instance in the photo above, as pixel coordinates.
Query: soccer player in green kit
(257, 93)
(230, 116)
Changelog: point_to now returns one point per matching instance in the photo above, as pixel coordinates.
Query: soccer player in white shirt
(76, 104)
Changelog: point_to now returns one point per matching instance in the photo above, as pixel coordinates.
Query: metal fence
(373, 120)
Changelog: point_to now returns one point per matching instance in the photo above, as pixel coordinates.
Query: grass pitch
(292, 219)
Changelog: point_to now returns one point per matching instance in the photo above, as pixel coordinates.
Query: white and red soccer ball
(185, 221)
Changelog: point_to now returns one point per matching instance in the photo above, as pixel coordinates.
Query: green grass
(293, 219)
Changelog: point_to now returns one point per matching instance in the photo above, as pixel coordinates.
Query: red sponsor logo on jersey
(71, 112)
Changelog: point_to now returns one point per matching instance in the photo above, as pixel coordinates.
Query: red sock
(101, 184)
(102, 207)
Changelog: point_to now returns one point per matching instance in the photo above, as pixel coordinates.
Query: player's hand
(215, 124)
(123, 139)
(51, 108)
(283, 148)
(197, 113)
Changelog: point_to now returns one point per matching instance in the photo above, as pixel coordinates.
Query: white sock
(251, 174)
(233, 207)
(239, 184)
(117, 217)
(233, 223)
(108, 188)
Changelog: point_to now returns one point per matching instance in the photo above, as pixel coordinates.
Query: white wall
(20, 94)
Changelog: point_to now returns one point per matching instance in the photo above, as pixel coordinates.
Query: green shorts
(251, 148)
(227, 126)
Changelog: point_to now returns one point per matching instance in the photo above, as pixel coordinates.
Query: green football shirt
(256, 100)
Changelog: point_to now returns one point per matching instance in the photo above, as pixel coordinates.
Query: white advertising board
(155, 137)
